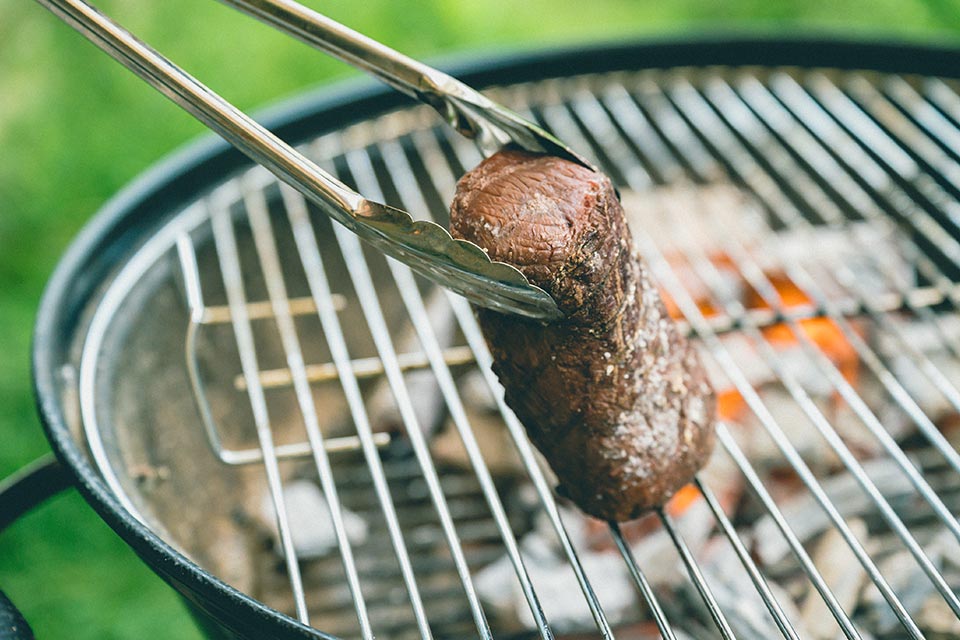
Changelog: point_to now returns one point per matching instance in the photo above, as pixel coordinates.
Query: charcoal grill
(210, 346)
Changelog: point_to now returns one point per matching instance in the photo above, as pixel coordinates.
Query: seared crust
(613, 396)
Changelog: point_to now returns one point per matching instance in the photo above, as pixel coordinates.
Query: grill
(320, 428)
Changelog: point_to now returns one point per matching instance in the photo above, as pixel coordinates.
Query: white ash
(558, 590)
(916, 591)
(737, 595)
(748, 359)
(843, 575)
(556, 584)
(797, 364)
(311, 526)
(421, 385)
(938, 618)
(848, 425)
(849, 255)
(807, 519)
(656, 211)
(795, 424)
(657, 555)
(929, 341)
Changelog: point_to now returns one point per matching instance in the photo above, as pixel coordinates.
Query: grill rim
(125, 220)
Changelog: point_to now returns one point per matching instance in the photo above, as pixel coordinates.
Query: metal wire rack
(863, 155)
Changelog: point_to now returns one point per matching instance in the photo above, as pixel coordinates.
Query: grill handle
(20, 493)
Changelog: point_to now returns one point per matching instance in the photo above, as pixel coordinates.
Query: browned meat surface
(613, 396)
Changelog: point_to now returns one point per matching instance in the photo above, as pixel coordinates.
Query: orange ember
(682, 500)
(823, 332)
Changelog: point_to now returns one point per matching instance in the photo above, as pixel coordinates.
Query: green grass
(75, 126)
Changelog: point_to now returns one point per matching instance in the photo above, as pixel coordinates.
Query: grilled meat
(613, 396)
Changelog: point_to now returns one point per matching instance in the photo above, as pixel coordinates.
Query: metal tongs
(424, 246)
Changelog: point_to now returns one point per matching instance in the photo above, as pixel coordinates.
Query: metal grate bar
(363, 368)
(704, 265)
(412, 197)
(222, 223)
(806, 562)
(900, 393)
(443, 181)
(741, 163)
(690, 101)
(309, 251)
(597, 120)
(798, 222)
(793, 94)
(685, 95)
(863, 155)
(199, 312)
(262, 310)
(367, 182)
(558, 120)
(774, 114)
(635, 126)
(369, 301)
(937, 136)
(722, 356)
(259, 217)
(912, 141)
(643, 586)
(693, 568)
(883, 165)
(759, 582)
(708, 273)
(782, 208)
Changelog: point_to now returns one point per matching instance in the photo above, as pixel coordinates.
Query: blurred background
(75, 127)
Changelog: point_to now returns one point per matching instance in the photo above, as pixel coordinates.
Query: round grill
(319, 428)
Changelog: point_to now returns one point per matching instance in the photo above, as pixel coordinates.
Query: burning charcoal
(737, 596)
(656, 553)
(914, 587)
(807, 519)
(798, 428)
(843, 574)
(310, 524)
(558, 589)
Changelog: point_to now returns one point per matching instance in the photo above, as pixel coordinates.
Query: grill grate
(870, 157)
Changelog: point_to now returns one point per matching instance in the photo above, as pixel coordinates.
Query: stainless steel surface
(468, 111)
(426, 247)
(820, 196)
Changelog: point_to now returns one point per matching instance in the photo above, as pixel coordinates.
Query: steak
(613, 396)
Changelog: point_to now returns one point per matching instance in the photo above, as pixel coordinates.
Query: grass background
(75, 127)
